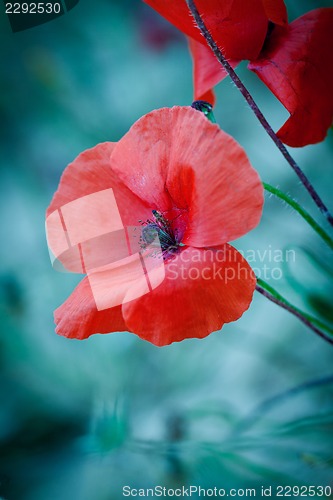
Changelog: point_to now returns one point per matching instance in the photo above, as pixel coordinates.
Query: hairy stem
(314, 324)
(251, 102)
(303, 213)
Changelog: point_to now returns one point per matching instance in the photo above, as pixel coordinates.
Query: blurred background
(247, 407)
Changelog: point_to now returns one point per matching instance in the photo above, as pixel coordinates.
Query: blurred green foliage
(82, 419)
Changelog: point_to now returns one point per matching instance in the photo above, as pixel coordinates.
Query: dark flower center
(159, 226)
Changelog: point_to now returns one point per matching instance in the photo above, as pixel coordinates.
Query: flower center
(159, 226)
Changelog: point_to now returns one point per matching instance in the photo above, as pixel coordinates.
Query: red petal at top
(202, 290)
(297, 66)
(178, 14)
(176, 159)
(239, 28)
(276, 11)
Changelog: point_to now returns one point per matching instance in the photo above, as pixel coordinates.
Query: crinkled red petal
(297, 66)
(203, 289)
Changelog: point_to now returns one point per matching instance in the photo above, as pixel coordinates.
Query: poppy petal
(238, 27)
(203, 289)
(79, 318)
(276, 11)
(90, 173)
(297, 67)
(178, 14)
(92, 218)
(176, 159)
(207, 71)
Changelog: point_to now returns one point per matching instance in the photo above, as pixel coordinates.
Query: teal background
(249, 406)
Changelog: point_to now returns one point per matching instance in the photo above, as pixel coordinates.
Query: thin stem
(311, 322)
(246, 94)
(303, 213)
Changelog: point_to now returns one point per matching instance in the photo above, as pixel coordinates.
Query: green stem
(303, 213)
(313, 323)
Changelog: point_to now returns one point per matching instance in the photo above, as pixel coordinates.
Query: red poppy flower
(238, 27)
(294, 61)
(179, 176)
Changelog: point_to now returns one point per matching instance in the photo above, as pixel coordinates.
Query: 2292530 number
(303, 491)
(33, 8)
